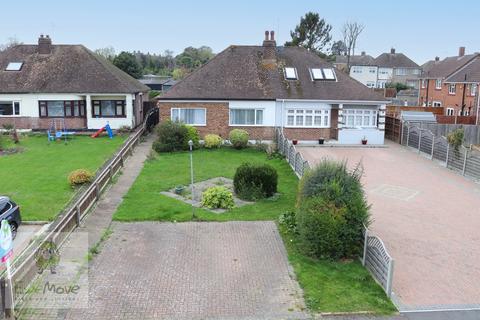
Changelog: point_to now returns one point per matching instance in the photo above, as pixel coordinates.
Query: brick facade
(43, 123)
(462, 92)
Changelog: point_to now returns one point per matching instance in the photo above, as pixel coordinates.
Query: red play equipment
(106, 128)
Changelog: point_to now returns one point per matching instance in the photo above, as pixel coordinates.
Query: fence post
(433, 145)
(448, 153)
(97, 190)
(77, 215)
(464, 160)
(390, 277)
(365, 247)
(408, 134)
(419, 139)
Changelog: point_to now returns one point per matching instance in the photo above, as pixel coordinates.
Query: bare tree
(11, 42)
(351, 31)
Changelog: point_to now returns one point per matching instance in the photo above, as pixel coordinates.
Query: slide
(109, 131)
(96, 134)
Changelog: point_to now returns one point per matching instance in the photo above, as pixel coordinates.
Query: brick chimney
(392, 51)
(437, 59)
(461, 51)
(44, 44)
(363, 53)
(269, 47)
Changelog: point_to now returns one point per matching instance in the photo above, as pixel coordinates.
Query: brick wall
(448, 100)
(43, 123)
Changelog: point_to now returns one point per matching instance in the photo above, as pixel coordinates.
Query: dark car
(10, 211)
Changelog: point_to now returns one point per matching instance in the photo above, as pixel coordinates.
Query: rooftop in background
(48, 68)
(394, 60)
(357, 60)
(441, 69)
(469, 73)
(418, 116)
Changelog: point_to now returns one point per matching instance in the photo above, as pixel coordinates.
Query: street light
(190, 144)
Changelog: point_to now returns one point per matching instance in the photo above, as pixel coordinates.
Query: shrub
(171, 137)
(455, 138)
(288, 221)
(192, 134)
(79, 177)
(124, 129)
(255, 181)
(218, 198)
(238, 138)
(213, 141)
(340, 192)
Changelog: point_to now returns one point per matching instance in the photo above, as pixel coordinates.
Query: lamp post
(190, 144)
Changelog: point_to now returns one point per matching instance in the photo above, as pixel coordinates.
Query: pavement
(428, 218)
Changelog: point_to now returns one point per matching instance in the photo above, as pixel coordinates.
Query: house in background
(386, 68)
(452, 83)
(45, 82)
(158, 83)
(261, 88)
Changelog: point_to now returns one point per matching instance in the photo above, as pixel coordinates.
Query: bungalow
(44, 83)
(260, 88)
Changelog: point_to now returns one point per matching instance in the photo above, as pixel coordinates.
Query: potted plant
(294, 141)
(364, 140)
(179, 189)
(321, 140)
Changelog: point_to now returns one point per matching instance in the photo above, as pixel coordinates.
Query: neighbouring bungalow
(261, 88)
(44, 83)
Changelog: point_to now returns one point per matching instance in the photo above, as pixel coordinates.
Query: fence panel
(456, 159)
(472, 167)
(440, 149)
(426, 142)
(413, 137)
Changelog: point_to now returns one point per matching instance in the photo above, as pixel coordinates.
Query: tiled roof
(240, 72)
(470, 72)
(444, 68)
(394, 60)
(357, 60)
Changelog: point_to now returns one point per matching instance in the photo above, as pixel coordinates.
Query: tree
(351, 31)
(179, 73)
(107, 53)
(11, 42)
(192, 58)
(312, 33)
(339, 48)
(128, 63)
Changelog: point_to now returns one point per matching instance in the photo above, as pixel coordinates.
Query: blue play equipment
(106, 128)
(57, 133)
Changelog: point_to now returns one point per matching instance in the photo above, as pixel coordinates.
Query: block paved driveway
(206, 270)
(429, 219)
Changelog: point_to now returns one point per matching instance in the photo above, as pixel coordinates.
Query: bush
(455, 138)
(218, 198)
(171, 137)
(192, 134)
(213, 141)
(255, 181)
(238, 138)
(79, 177)
(288, 221)
(124, 129)
(330, 189)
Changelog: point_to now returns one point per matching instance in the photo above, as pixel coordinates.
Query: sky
(421, 29)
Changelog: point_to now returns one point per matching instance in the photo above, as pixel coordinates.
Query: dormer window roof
(14, 66)
(291, 73)
(322, 74)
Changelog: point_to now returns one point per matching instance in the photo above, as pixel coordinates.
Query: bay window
(192, 116)
(108, 108)
(319, 118)
(360, 118)
(9, 108)
(61, 108)
(249, 117)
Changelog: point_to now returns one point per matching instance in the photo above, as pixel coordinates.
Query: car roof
(4, 199)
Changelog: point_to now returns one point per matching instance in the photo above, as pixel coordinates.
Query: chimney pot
(437, 58)
(272, 35)
(44, 45)
(392, 51)
(266, 35)
(461, 51)
(363, 53)
(269, 47)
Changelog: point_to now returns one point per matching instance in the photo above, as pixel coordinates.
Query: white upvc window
(473, 89)
(401, 72)
(438, 83)
(452, 89)
(9, 108)
(191, 116)
(246, 117)
(372, 70)
(450, 111)
(437, 103)
(308, 118)
(360, 118)
(356, 69)
(291, 73)
(424, 83)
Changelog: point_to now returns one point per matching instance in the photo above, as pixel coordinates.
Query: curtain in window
(246, 116)
(6, 108)
(55, 109)
(108, 108)
(189, 116)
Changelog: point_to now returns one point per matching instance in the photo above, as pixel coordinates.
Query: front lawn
(328, 286)
(36, 178)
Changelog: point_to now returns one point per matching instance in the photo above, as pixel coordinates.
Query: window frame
(450, 111)
(14, 66)
(436, 104)
(450, 86)
(473, 93)
(100, 115)
(81, 106)
(303, 112)
(360, 113)
(255, 110)
(424, 83)
(438, 84)
(190, 124)
(294, 71)
(14, 103)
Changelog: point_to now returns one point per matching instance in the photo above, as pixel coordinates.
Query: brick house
(452, 83)
(45, 83)
(260, 88)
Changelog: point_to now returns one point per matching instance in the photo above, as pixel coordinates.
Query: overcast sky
(422, 29)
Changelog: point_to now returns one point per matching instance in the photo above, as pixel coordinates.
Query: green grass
(336, 286)
(144, 201)
(36, 178)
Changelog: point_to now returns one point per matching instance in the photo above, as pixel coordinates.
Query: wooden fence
(456, 119)
(24, 269)
(293, 157)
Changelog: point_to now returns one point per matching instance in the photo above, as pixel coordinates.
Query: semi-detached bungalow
(69, 84)
(261, 88)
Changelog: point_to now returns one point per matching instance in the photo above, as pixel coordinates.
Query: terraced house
(260, 88)
(44, 83)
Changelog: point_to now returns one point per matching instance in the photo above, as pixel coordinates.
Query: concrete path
(193, 270)
(47, 302)
(428, 217)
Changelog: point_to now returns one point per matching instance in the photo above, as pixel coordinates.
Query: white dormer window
(290, 73)
(329, 73)
(14, 66)
(316, 74)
